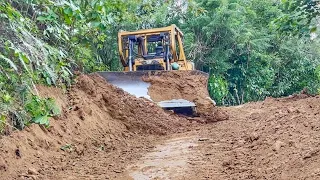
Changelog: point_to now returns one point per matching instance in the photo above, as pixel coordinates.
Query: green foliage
(41, 110)
(3, 121)
(218, 88)
(300, 17)
(92, 26)
(26, 60)
(67, 147)
(236, 41)
(317, 74)
(232, 40)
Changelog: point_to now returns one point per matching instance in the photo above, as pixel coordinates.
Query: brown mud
(185, 85)
(101, 129)
(273, 139)
(105, 133)
(168, 160)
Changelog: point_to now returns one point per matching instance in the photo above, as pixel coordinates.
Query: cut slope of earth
(101, 129)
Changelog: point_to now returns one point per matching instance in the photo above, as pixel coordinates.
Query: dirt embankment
(189, 85)
(273, 139)
(101, 129)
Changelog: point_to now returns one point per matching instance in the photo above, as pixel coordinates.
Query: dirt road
(104, 133)
(274, 139)
(168, 160)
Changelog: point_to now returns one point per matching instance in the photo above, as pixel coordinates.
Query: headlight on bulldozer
(155, 62)
(145, 62)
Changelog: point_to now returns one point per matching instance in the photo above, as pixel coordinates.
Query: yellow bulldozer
(153, 49)
(151, 52)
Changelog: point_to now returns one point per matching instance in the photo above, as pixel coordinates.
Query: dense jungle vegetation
(250, 48)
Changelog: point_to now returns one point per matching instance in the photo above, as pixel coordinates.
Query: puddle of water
(167, 161)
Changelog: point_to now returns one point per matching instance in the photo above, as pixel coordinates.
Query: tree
(301, 17)
(232, 41)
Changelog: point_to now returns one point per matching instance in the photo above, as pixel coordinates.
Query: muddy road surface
(274, 139)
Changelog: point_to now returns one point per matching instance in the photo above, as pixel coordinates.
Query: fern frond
(22, 58)
(11, 63)
(4, 108)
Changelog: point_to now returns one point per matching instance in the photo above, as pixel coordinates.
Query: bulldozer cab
(153, 49)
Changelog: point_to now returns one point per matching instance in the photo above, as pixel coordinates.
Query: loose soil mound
(101, 126)
(189, 85)
(103, 129)
(273, 139)
(137, 114)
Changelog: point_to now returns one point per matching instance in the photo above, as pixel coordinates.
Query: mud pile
(137, 114)
(100, 124)
(189, 85)
(103, 129)
(273, 139)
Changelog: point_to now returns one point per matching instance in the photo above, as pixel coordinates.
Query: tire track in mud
(168, 160)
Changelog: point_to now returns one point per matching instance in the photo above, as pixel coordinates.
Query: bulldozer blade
(130, 82)
(133, 83)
